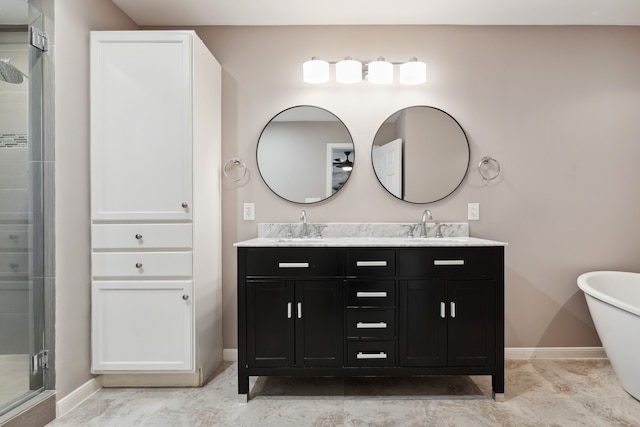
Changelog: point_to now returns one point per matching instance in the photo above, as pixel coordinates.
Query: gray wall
(70, 51)
(557, 106)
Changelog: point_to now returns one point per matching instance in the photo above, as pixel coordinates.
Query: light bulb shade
(315, 71)
(348, 71)
(413, 72)
(380, 72)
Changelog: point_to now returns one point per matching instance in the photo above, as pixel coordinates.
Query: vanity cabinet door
(471, 332)
(319, 314)
(422, 323)
(294, 323)
(270, 323)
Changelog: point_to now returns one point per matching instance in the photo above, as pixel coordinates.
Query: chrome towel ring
(489, 168)
(238, 163)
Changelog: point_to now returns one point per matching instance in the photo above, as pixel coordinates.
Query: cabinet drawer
(14, 263)
(371, 353)
(289, 262)
(371, 323)
(371, 293)
(371, 262)
(450, 262)
(141, 236)
(141, 264)
(14, 237)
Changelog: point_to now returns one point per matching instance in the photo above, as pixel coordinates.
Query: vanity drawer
(141, 264)
(294, 262)
(371, 262)
(450, 262)
(141, 236)
(371, 323)
(371, 293)
(371, 353)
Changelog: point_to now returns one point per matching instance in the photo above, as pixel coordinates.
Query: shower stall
(23, 356)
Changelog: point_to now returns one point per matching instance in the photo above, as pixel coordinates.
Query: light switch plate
(473, 212)
(249, 212)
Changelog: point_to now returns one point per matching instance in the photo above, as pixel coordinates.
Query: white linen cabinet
(155, 208)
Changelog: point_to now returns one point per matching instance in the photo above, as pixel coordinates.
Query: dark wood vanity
(371, 311)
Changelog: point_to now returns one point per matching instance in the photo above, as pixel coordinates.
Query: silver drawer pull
(453, 309)
(138, 265)
(138, 236)
(371, 263)
(381, 355)
(299, 310)
(371, 294)
(448, 262)
(293, 264)
(377, 325)
(288, 310)
(443, 308)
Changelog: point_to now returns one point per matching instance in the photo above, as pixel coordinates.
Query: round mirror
(305, 154)
(420, 154)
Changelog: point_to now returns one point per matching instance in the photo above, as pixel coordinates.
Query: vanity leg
(243, 384)
(497, 381)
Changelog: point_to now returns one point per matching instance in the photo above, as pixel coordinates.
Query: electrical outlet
(473, 211)
(249, 211)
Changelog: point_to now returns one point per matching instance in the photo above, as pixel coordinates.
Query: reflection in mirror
(420, 154)
(305, 154)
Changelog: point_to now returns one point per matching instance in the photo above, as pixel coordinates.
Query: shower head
(9, 73)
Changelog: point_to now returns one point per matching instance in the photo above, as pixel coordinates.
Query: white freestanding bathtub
(613, 298)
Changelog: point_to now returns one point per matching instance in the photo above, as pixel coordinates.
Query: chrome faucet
(423, 223)
(303, 218)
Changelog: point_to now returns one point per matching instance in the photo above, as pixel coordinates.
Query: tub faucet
(423, 223)
(303, 218)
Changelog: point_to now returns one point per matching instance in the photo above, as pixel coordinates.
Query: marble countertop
(395, 242)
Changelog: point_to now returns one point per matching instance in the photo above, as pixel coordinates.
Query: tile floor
(537, 393)
(14, 372)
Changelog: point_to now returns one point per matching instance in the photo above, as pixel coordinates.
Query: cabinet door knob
(185, 297)
(138, 265)
(139, 236)
(185, 205)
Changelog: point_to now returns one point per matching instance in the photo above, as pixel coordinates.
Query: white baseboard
(555, 353)
(230, 354)
(78, 396)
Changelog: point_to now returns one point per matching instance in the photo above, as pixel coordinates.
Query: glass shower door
(21, 211)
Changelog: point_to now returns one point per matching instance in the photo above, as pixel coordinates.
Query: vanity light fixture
(413, 72)
(349, 71)
(380, 71)
(315, 71)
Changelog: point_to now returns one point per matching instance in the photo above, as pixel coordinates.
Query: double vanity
(370, 303)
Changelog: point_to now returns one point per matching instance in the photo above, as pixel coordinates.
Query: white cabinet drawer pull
(371, 294)
(448, 262)
(288, 310)
(381, 355)
(299, 310)
(293, 264)
(443, 308)
(377, 325)
(453, 309)
(371, 263)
